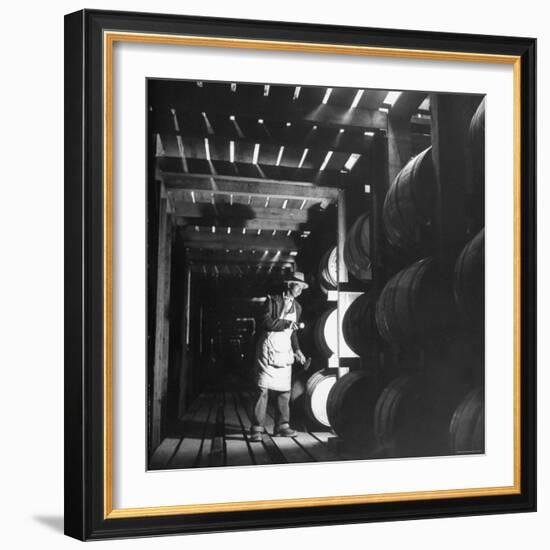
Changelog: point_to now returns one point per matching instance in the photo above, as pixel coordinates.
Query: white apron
(275, 356)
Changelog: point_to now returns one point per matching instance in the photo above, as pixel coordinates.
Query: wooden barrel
(415, 305)
(326, 332)
(409, 204)
(388, 428)
(318, 388)
(358, 325)
(350, 407)
(469, 280)
(413, 413)
(475, 184)
(476, 140)
(327, 273)
(357, 249)
(467, 428)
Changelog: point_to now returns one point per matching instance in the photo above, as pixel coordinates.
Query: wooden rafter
(268, 154)
(268, 133)
(230, 215)
(238, 225)
(223, 185)
(217, 241)
(332, 176)
(249, 101)
(247, 257)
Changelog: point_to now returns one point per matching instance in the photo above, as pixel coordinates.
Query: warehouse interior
(377, 196)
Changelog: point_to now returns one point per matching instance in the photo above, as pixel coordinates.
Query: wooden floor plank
(236, 445)
(209, 433)
(258, 451)
(161, 457)
(288, 447)
(291, 450)
(268, 444)
(164, 453)
(216, 433)
(188, 451)
(217, 451)
(178, 428)
(312, 446)
(323, 437)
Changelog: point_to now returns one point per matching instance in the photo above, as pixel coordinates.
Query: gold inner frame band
(109, 39)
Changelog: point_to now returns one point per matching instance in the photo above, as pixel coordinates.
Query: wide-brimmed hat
(297, 278)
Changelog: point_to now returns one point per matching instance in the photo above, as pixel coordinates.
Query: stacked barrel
(328, 402)
(324, 332)
(317, 391)
(416, 324)
(409, 205)
(476, 157)
(327, 273)
(430, 315)
(357, 249)
(358, 325)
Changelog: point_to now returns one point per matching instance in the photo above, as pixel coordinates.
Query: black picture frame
(87, 516)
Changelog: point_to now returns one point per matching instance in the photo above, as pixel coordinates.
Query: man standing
(276, 351)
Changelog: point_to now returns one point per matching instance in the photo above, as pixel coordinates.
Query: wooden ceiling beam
(341, 117)
(407, 105)
(299, 136)
(224, 185)
(239, 214)
(246, 257)
(239, 224)
(217, 241)
(373, 99)
(225, 244)
(243, 266)
(255, 273)
(331, 116)
(268, 154)
(332, 176)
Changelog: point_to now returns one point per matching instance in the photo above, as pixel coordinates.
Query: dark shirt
(271, 321)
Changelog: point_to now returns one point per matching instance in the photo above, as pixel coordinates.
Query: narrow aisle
(215, 432)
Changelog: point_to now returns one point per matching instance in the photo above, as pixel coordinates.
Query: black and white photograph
(315, 274)
(300, 274)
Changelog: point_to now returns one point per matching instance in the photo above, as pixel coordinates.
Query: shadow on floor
(56, 523)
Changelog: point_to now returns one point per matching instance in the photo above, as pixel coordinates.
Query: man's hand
(300, 357)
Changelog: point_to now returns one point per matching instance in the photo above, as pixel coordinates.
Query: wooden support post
(187, 358)
(342, 278)
(379, 170)
(187, 304)
(162, 329)
(342, 228)
(399, 131)
(399, 145)
(451, 115)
